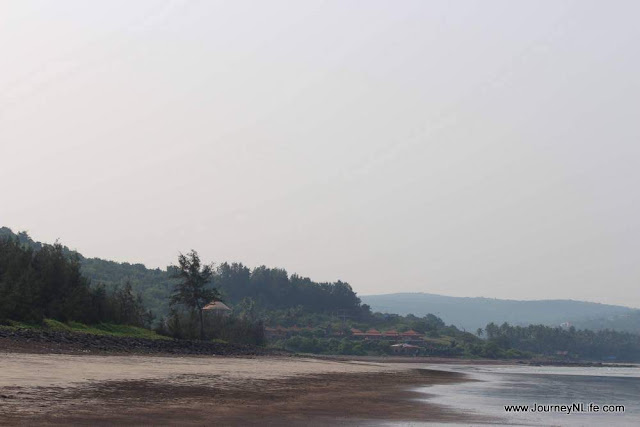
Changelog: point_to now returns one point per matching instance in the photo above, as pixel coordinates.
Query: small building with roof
(218, 308)
(409, 349)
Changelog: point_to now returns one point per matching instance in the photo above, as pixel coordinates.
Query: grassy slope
(100, 329)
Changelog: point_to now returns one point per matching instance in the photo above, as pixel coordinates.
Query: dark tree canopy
(273, 288)
(46, 282)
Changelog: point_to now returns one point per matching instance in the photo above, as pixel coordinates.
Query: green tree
(191, 289)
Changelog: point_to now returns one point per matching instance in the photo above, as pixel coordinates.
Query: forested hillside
(40, 282)
(153, 284)
(266, 288)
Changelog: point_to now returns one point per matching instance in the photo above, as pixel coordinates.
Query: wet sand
(101, 390)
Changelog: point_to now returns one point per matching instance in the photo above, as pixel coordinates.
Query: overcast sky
(469, 148)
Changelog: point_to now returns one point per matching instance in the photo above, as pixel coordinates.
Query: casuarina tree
(192, 290)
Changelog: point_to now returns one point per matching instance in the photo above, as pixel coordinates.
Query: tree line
(47, 283)
(39, 281)
(268, 288)
(572, 342)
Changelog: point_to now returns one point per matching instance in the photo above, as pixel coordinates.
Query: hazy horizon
(464, 149)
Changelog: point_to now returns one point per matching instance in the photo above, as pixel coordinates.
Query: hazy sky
(469, 148)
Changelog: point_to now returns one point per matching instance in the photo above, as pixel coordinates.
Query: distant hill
(626, 322)
(473, 313)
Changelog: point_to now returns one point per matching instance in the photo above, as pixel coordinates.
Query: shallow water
(527, 385)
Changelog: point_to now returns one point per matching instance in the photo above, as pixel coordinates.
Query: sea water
(543, 390)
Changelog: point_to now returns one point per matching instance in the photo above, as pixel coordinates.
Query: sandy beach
(75, 389)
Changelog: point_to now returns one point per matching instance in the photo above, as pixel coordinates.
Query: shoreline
(106, 390)
(31, 341)
(436, 360)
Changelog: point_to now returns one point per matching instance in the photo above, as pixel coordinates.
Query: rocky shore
(63, 342)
